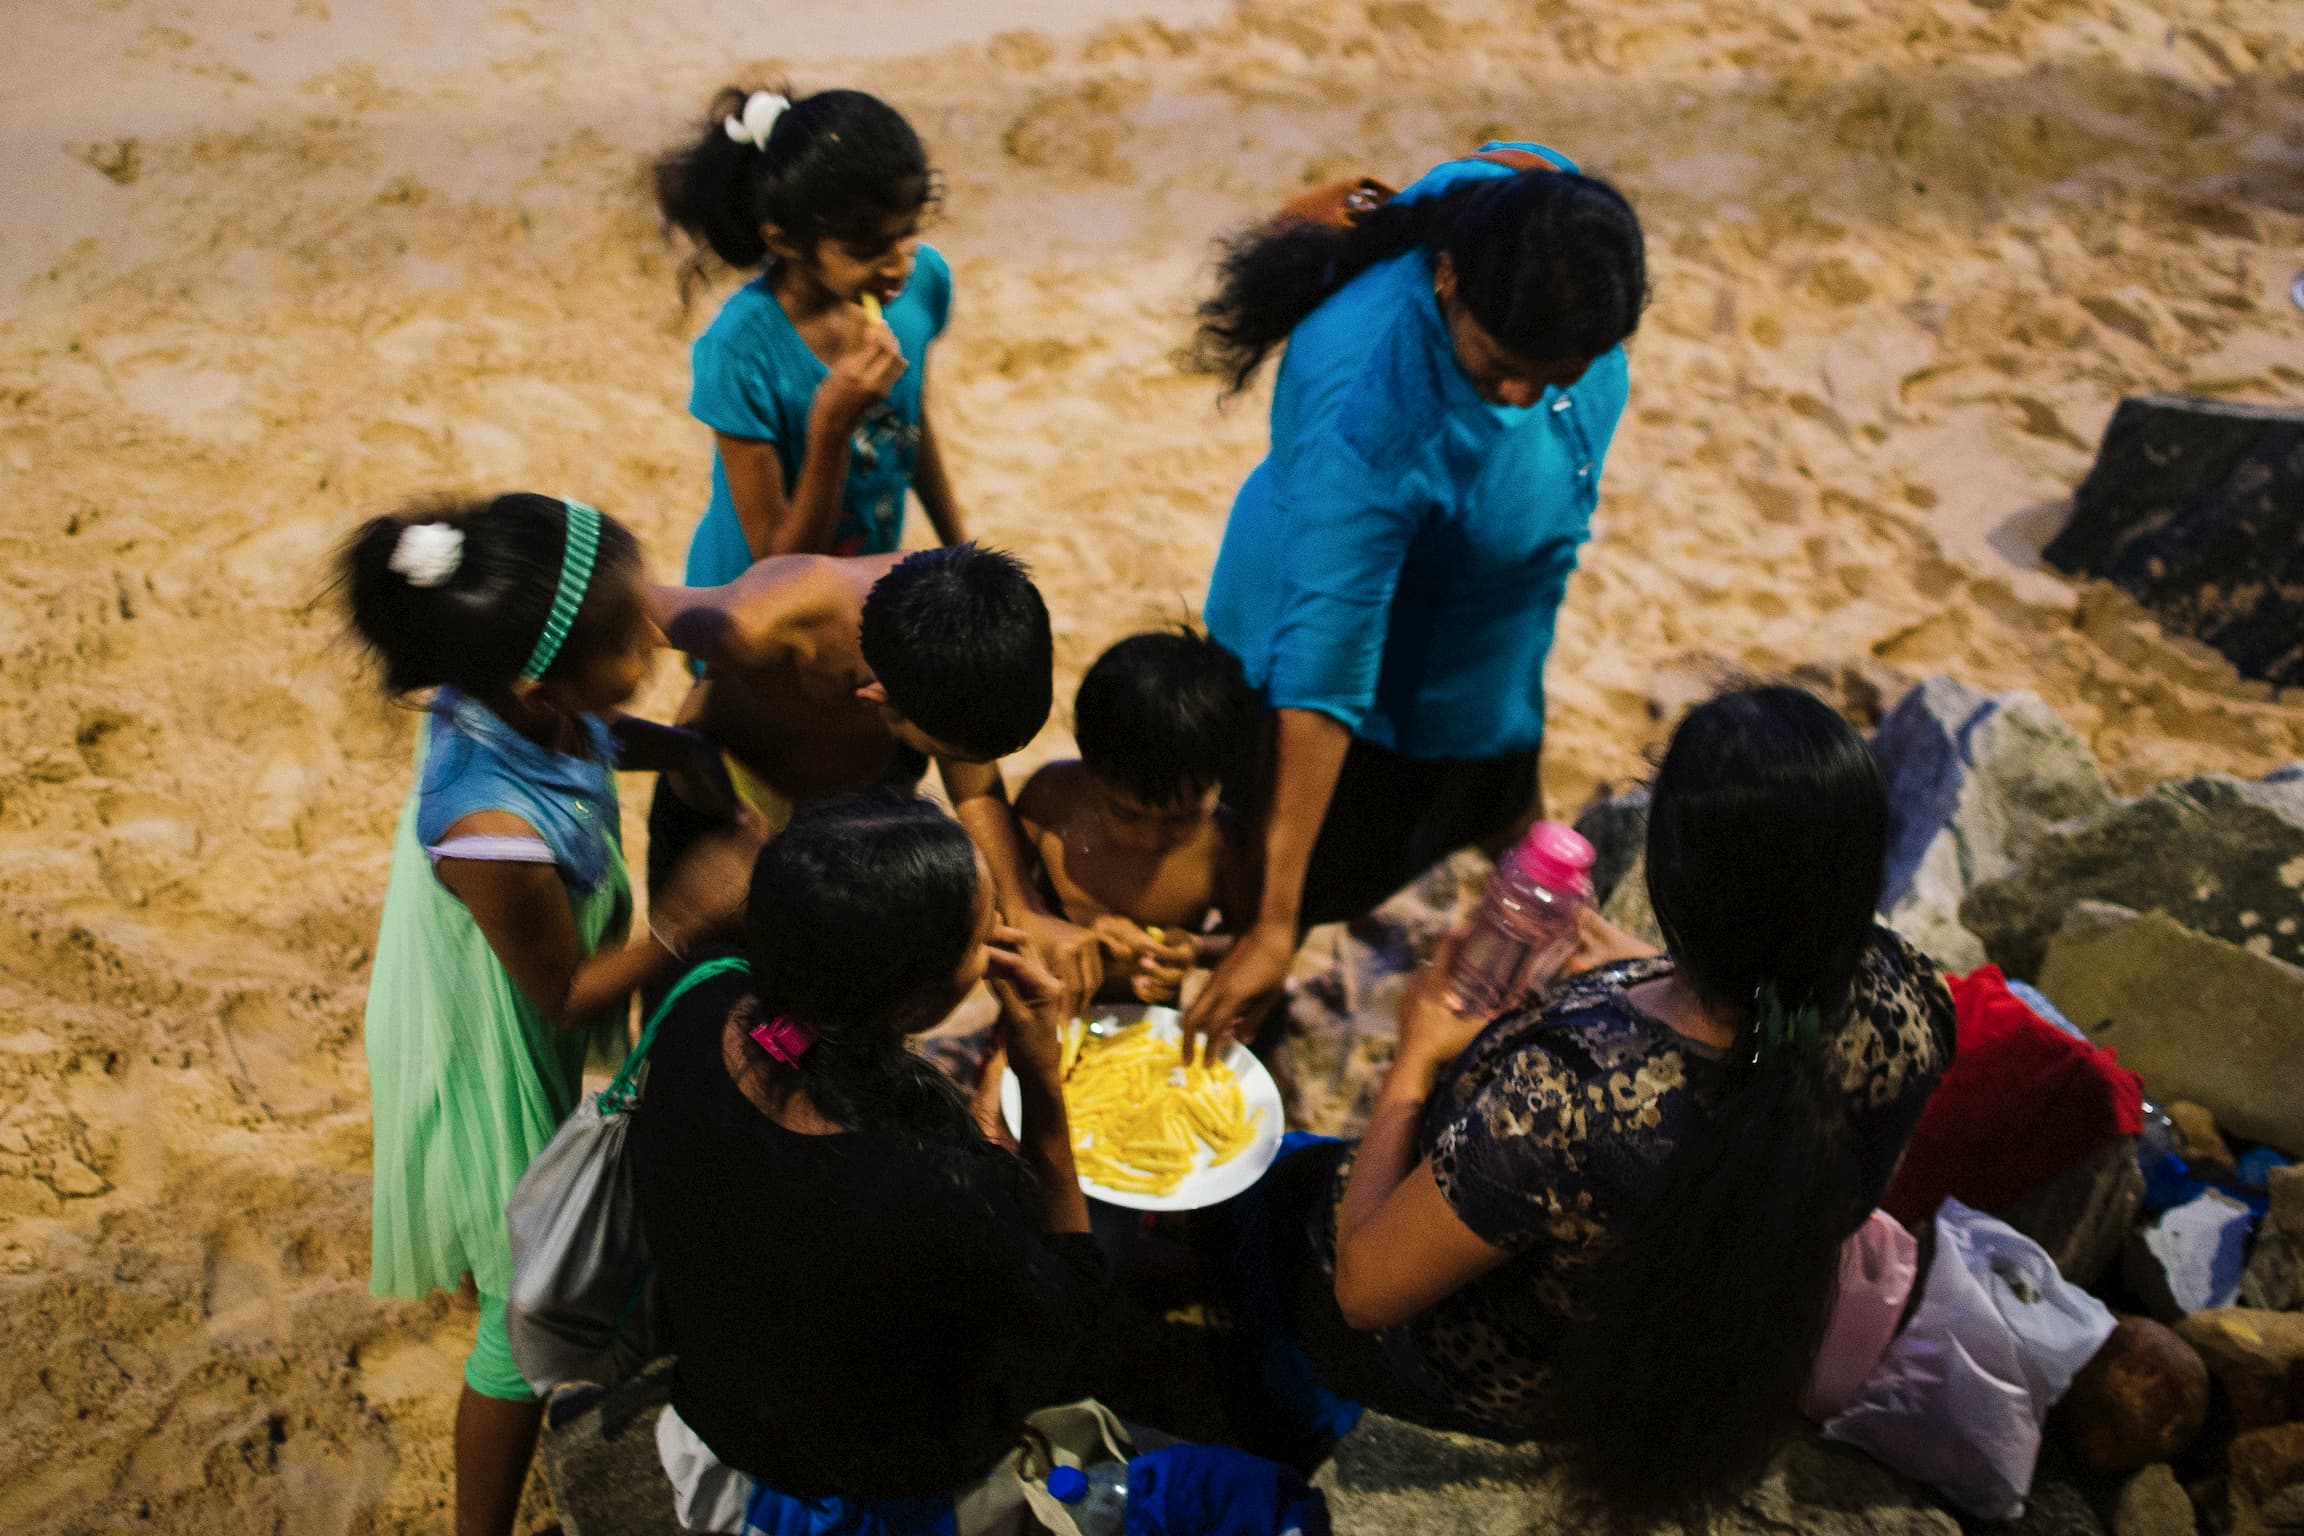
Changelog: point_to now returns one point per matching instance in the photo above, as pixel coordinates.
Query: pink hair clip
(785, 1039)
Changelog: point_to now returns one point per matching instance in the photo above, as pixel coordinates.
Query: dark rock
(2200, 1143)
(2267, 1482)
(2252, 1354)
(2190, 1259)
(2053, 1508)
(2153, 1503)
(2200, 1019)
(2196, 509)
(1973, 783)
(2275, 1275)
(1628, 907)
(1617, 829)
(2142, 1398)
(2082, 1215)
(607, 1481)
(1388, 1477)
(2220, 855)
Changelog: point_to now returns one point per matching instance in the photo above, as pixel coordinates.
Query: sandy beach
(270, 266)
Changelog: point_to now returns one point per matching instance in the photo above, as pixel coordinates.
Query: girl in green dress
(503, 949)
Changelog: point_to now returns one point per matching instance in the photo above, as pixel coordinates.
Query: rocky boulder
(2082, 1215)
(2199, 1018)
(2275, 1275)
(2196, 509)
(2153, 1503)
(2253, 1355)
(2141, 1398)
(1388, 1477)
(2267, 1482)
(1617, 829)
(1974, 782)
(2221, 855)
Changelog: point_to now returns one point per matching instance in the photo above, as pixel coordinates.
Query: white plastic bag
(1960, 1396)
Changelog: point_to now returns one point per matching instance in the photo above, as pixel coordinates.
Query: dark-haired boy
(1129, 839)
(824, 676)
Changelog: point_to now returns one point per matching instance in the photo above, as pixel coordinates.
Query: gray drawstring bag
(582, 1304)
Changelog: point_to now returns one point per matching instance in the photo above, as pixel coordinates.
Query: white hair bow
(428, 553)
(758, 119)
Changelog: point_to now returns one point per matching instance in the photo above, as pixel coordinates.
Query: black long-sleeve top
(856, 1314)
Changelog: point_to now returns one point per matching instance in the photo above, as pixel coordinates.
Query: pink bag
(1878, 1264)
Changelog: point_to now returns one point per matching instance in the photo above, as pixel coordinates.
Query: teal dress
(468, 1080)
(756, 378)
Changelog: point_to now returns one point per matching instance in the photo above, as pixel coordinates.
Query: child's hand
(1432, 1032)
(1162, 965)
(862, 378)
(1032, 1012)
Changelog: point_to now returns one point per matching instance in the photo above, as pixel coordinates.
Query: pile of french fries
(1140, 1112)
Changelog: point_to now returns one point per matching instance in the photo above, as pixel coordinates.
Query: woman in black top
(866, 1296)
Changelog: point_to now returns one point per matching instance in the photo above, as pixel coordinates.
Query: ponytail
(1766, 839)
(838, 164)
(456, 594)
(861, 911)
(1552, 263)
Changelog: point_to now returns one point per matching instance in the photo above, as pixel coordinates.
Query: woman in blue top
(1389, 577)
(813, 377)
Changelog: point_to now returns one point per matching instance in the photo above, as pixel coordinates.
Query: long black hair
(839, 164)
(474, 628)
(1550, 262)
(860, 912)
(1767, 831)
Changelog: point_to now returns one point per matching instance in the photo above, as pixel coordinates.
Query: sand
(268, 267)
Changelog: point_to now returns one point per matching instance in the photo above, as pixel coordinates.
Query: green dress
(468, 1080)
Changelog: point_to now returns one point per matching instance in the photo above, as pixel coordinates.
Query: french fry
(871, 308)
(1141, 1115)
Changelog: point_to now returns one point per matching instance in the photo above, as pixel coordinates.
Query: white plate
(1204, 1185)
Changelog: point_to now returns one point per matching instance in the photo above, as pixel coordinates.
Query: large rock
(2221, 855)
(2196, 509)
(1617, 829)
(2200, 1142)
(2082, 1215)
(1388, 1477)
(2267, 1482)
(2252, 1354)
(2141, 1398)
(2153, 1503)
(2275, 1275)
(2200, 1019)
(1973, 783)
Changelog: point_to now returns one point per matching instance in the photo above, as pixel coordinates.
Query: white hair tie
(758, 119)
(428, 553)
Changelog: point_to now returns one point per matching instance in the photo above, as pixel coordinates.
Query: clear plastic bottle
(1525, 929)
(1097, 1496)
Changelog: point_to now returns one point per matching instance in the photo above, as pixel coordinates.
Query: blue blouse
(756, 378)
(1397, 560)
(473, 762)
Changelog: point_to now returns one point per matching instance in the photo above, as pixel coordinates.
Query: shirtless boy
(824, 676)
(1129, 840)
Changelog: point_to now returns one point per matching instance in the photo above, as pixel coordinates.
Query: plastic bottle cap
(1553, 855)
(1067, 1485)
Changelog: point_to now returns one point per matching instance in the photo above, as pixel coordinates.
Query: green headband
(575, 575)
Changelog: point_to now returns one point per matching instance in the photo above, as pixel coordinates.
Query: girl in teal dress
(503, 949)
(813, 377)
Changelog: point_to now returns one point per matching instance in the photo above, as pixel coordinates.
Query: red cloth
(2021, 1102)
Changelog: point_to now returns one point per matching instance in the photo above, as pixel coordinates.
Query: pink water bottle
(1526, 928)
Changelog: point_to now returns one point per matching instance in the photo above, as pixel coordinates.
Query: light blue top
(473, 761)
(1397, 560)
(755, 378)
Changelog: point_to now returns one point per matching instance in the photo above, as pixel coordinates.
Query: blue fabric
(1290, 1386)
(2036, 1000)
(780, 1514)
(473, 762)
(755, 378)
(1213, 1490)
(1398, 559)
